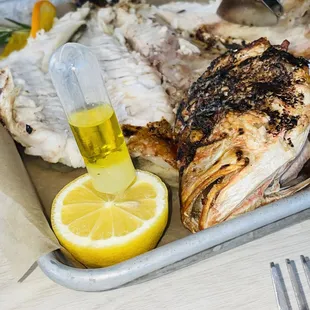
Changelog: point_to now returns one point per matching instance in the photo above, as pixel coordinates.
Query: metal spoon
(251, 12)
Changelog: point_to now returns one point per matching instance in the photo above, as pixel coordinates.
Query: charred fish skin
(153, 149)
(241, 124)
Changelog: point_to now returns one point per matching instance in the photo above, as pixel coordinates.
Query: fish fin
(287, 191)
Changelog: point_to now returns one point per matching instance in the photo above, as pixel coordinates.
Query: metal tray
(182, 252)
(176, 254)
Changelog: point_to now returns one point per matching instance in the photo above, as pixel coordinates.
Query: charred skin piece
(156, 139)
(153, 148)
(240, 128)
(100, 3)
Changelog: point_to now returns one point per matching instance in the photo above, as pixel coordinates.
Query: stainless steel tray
(177, 254)
(183, 252)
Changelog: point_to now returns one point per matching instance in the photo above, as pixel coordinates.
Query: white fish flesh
(176, 58)
(130, 80)
(188, 16)
(32, 111)
(138, 97)
(202, 18)
(29, 106)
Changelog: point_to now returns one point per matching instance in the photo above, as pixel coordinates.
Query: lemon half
(101, 229)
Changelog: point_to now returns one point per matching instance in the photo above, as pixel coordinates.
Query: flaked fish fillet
(208, 27)
(156, 43)
(138, 97)
(134, 86)
(298, 36)
(32, 112)
(29, 106)
(241, 130)
(189, 16)
(178, 60)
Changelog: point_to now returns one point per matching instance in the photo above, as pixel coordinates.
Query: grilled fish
(131, 82)
(203, 23)
(32, 112)
(178, 61)
(29, 106)
(130, 79)
(242, 127)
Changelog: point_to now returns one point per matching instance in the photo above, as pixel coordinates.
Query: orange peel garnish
(43, 15)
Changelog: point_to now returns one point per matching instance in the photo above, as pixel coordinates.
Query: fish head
(231, 174)
(241, 127)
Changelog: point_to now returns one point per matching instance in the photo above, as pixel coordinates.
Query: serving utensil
(279, 285)
(251, 12)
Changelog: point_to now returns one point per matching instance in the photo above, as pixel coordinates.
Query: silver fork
(280, 288)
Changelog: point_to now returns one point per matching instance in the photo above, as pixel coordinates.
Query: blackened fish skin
(259, 88)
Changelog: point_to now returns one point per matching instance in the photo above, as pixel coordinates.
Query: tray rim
(108, 278)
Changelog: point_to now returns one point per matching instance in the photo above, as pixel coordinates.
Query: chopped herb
(7, 31)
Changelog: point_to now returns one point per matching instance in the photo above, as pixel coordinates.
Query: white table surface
(237, 279)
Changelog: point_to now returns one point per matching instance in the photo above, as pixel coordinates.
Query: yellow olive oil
(102, 145)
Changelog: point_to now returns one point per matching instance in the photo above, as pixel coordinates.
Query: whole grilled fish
(242, 133)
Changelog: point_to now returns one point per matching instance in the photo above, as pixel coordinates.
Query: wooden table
(237, 279)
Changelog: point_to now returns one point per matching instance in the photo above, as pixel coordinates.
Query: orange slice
(43, 15)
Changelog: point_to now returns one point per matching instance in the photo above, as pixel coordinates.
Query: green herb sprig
(7, 31)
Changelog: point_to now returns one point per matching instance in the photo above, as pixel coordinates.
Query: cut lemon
(43, 15)
(17, 41)
(102, 229)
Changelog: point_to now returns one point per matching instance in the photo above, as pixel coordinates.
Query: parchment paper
(24, 231)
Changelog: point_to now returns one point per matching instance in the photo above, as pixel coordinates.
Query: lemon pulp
(103, 229)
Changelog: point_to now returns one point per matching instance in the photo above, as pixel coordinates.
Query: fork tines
(280, 288)
(305, 264)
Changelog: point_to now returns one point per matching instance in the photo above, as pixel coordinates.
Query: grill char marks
(238, 83)
(242, 124)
